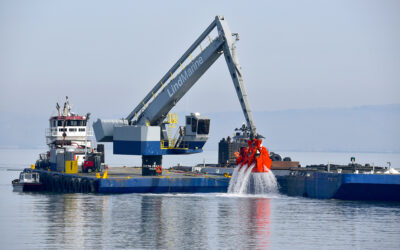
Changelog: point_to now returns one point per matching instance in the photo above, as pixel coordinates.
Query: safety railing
(170, 144)
(49, 132)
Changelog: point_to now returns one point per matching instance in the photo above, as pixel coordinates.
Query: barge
(355, 185)
(131, 180)
(303, 182)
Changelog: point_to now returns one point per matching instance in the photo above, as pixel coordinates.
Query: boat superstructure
(69, 139)
(68, 128)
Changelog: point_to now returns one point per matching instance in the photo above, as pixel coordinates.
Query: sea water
(186, 221)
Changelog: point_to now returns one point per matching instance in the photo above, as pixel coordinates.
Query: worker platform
(130, 180)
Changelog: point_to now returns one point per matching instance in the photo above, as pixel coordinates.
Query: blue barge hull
(130, 181)
(312, 184)
(325, 185)
(164, 185)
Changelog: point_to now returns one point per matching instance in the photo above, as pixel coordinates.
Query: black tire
(287, 159)
(92, 184)
(53, 183)
(71, 185)
(68, 187)
(43, 180)
(64, 185)
(73, 188)
(276, 157)
(88, 186)
(48, 182)
(58, 183)
(84, 186)
(81, 186)
(77, 185)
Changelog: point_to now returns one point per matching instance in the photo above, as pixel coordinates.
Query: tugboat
(70, 150)
(69, 141)
(28, 181)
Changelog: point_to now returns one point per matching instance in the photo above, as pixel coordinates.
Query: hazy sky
(106, 55)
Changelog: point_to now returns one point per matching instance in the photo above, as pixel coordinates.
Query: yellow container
(71, 167)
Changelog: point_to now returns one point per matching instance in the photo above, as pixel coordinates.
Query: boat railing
(89, 132)
(49, 132)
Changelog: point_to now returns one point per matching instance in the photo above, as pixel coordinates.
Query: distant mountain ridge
(356, 129)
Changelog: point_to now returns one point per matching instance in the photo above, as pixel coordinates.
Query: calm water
(214, 221)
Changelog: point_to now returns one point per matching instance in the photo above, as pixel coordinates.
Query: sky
(107, 55)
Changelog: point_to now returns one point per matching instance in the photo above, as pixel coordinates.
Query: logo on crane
(188, 72)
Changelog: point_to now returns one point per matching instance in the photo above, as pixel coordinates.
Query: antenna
(58, 109)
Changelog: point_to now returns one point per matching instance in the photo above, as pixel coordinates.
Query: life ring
(158, 169)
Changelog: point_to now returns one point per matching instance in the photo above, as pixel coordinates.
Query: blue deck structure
(130, 180)
(164, 185)
(311, 184)
(344, 186)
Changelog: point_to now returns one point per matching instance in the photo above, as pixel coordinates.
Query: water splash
(243, 181)
(264, 183)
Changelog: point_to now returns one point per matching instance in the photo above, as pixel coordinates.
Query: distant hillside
(360, 129)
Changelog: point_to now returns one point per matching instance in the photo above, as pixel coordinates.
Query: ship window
(203, 127)
(82, 130)
(60, 123)
(84, 123)
(194, 125)
(62, 129)
(72, 130)
(188, 120)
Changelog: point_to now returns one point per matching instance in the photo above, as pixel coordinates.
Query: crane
(144, 130)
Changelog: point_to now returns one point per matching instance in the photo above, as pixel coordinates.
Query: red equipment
(88, 165)
(254, 154)
(159, 169)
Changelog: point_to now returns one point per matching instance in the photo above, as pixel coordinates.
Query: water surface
(170, 221)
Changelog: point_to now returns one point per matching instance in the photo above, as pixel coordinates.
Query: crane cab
(197, 125)
(197, 129)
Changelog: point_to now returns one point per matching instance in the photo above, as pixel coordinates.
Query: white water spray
(243, 181)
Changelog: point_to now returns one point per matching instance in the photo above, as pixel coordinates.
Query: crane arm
(232, 61)
(166, 95)
(158, 109)
(153, 109)
(167, 75)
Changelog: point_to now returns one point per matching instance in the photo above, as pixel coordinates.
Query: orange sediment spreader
(254, 154)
